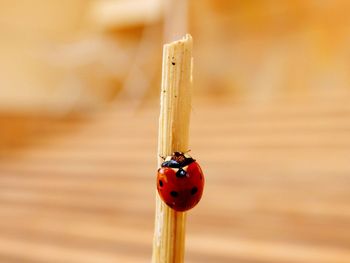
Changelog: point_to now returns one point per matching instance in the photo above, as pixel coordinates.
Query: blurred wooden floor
(277, 185)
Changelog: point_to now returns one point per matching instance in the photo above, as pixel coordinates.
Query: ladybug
(180, 181)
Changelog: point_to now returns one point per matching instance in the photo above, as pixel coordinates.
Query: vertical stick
(174, 120)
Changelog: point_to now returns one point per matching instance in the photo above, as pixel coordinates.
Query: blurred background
(79, 105)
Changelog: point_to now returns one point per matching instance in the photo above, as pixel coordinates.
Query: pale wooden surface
(173, 136)
(277, 185)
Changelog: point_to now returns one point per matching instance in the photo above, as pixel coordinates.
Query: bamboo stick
(174, 119)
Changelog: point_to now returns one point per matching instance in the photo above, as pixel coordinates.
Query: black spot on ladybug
(160, 183)
(194, 190)
(174, 194)
(181, 173)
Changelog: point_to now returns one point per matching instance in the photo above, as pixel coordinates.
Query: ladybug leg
(163, 157)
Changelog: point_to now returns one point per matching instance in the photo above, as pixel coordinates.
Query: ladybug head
(177, 160)
(178, 157)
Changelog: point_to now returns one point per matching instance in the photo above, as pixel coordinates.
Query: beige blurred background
(79, 89)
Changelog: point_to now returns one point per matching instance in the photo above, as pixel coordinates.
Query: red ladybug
(180, 181)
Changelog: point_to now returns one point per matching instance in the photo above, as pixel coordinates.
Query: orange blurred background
(79, 90)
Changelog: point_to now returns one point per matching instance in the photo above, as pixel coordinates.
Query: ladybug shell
(181, 193)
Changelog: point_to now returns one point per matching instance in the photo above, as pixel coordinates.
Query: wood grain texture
(278, 178)
(173, 136)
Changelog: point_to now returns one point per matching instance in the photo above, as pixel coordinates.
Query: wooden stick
(174, 120)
